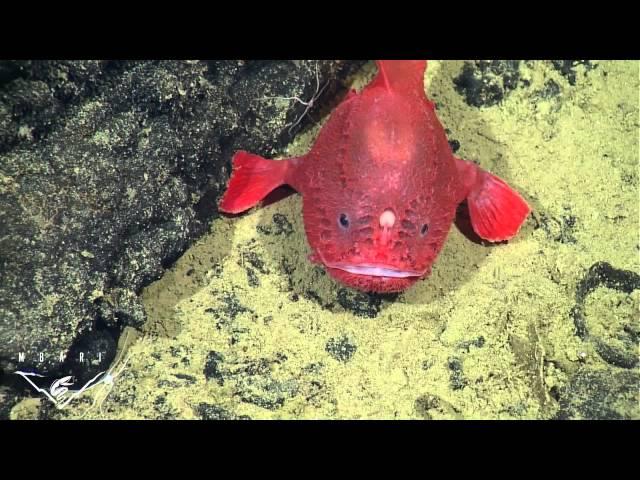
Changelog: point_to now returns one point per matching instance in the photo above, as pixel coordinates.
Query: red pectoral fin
(252, 179)
(497, 211)
(401, 75)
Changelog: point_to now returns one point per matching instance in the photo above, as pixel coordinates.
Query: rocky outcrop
(108, 171)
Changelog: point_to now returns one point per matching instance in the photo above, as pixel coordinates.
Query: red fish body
(380, 186)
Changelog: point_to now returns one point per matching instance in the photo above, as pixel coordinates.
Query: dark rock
(551, 89)
(268, 403)
(567, 68)
(363, 304)
(264, 391)
(281, 226)
(457, 380)
(229, 309)
(163, 409)
(252, 278)
(485, 83)
(605, 275)
(558, 228)
(208, 411)
(455, 145)
(253, 383)
(311, 295)
(190, 379)
(428, 404)
(255, 261)
(476, 342)
(251, 262)
(341, 348)
(110, 170)
(90, 354)
(613, 355)
(608, 394)
(121, 308)
(212, 369)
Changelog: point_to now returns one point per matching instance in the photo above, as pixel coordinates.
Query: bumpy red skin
(381, 149)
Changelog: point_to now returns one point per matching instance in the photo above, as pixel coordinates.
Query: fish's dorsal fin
(405, 76)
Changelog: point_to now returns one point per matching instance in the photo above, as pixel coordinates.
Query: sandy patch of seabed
(244, 325)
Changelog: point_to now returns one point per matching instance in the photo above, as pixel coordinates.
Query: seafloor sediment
(545, 326)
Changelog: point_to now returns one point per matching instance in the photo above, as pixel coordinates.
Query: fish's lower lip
(376, 270)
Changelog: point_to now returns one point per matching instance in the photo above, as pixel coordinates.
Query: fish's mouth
(376, 270)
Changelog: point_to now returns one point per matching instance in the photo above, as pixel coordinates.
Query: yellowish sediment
(488, 335)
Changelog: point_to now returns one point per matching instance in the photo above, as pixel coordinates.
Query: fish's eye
(344, 220)
(424, 229)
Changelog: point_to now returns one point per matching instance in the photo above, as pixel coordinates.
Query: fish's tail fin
(401, 75)
(497, 211)
(252, 179)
